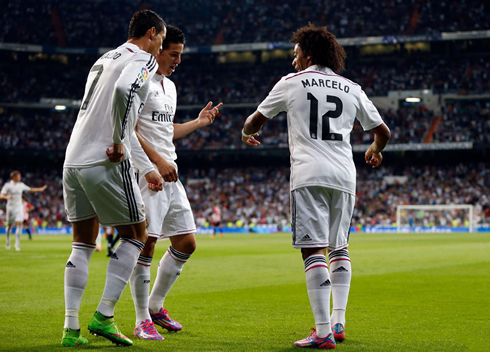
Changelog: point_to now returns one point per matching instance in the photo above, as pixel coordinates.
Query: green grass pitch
(409, 292)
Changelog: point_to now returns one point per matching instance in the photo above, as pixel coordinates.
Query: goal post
(443, 215)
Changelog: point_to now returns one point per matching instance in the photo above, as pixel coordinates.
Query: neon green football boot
(106, 327)
(72, 338)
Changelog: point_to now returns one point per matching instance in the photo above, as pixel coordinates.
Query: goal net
(435, 218)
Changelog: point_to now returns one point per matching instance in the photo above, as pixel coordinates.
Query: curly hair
(321, 45)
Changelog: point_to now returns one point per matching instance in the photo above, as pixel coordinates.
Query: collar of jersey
(157, 77)
(132, 46)
(319, 69)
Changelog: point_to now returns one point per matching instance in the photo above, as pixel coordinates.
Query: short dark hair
(322, 46)
(142, 21)
(174, 35)
(14, 173)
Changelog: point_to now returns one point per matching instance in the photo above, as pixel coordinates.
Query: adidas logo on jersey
(340, 270)
(70, 265)
(306, 238)
(326, 283)
(114, 255)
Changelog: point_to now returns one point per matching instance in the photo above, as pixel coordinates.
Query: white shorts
(107, 191)
(168, 212)
(321, 217)
(15, 215)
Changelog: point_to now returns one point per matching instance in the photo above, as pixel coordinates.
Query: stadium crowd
(44, 130)
(249, 83)
(252, 196)
(98, 23)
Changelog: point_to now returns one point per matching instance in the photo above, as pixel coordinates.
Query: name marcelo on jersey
(327, 83)
(162, 116)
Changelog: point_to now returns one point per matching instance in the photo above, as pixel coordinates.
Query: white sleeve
(135, 74)
(275, 101)
(139, 157)
(5, 189)
(367, 114)
(25, 188)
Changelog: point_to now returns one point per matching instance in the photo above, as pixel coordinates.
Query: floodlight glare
(412, 100)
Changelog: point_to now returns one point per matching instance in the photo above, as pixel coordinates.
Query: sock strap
(138, 244)
(314, 261)
(339, 254)
(145, 261)
(84, 246)
(178, 256)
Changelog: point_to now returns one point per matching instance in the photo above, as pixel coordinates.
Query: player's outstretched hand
(154, 181)
(207, 115)
(251, 140)
(167, 171)
(116, 153)
(43, 188)
(373, 158)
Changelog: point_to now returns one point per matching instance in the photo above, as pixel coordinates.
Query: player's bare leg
(76, 277)
(168, 271)
(318, 286)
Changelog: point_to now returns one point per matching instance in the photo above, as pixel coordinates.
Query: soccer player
(216, 220)
(99, 185)
(26, 209)
(169, 212)
(321, 107)
(12, 191)
(111, 241)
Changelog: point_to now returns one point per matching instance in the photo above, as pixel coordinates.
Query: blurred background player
(98, 182)
(216, 220)
(111, 240)
(168, 212)
(321, 108)
(12, 191)
(27, 208)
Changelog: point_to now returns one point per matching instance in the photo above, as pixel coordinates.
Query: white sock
(120, 268)
(8, 230)
(18, 233)
(168, 272)
(139, 282)
(76, 276)
(340, 273)
(318, 286)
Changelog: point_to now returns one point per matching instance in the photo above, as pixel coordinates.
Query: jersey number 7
(99, 69)
(327, 135)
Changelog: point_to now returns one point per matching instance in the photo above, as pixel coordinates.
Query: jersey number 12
(327, 135)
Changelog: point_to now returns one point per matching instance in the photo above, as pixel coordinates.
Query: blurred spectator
(261, 195)
(250, 83)
(103, 23)
(44, 130)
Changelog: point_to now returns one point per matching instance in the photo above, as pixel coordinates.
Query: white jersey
(156, 122)
(115, 93)
(321, 108)
(15, 189)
